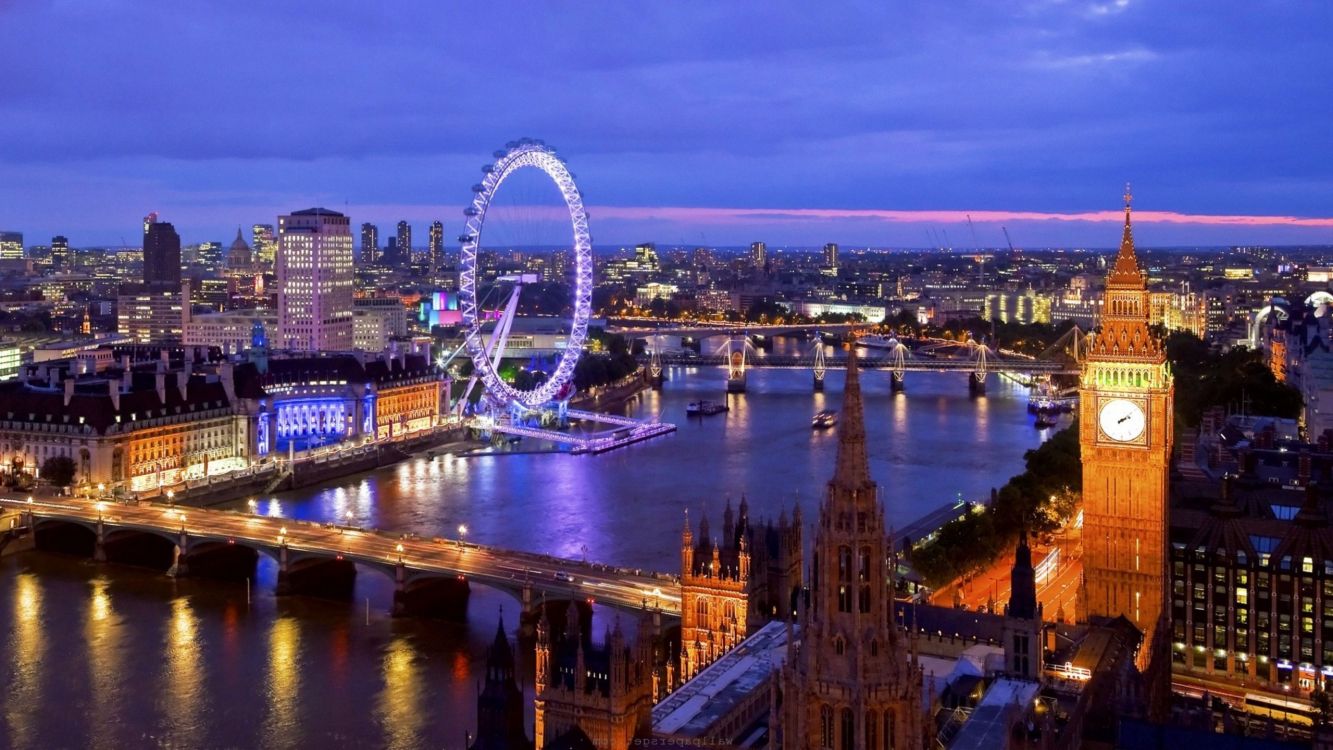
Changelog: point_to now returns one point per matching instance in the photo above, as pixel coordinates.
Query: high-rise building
(758, 255)
(436, 254)
(314, 270)
(60, 258)
(404, 243)
(831, 255)
(11, 245)
(1125, 434)
(370, 243)
(263, 245)
(161, 253)
(854, 680)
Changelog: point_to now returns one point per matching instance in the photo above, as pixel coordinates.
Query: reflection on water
(105, 656)
(103, 636)
(27, 650)
(399, 707)
(183, 676)
(282, 683)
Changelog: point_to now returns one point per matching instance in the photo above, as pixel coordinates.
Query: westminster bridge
(430, 575)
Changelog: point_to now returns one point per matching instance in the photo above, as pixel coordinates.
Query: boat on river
(704, 408)
(824, 419)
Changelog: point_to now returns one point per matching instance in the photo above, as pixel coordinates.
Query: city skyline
(858, 126)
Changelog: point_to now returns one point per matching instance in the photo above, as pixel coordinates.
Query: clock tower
(1125, 435)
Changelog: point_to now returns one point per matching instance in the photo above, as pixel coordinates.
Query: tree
(59, 470)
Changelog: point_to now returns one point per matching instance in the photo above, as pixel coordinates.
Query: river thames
(105, 656)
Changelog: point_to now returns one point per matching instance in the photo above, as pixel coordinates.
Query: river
(107, 656)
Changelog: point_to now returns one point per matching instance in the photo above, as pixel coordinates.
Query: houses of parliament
(778, 651)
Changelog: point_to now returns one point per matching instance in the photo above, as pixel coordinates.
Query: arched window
(848, 730)
(701, 607)
(863, 599)
(839, 646)
(871, 729)
(888, 730)
(844, 564)
(874, 651)
(826, 726)
(863, 565)
(844, 599)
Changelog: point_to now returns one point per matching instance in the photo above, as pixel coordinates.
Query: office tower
(262, 244)
(831, 255)
(370, 243)
(436, 255)
(11, 245)
(758, 255)
(60, 259)
(161, 253)
(209, 254)
(314, 270)
(404, 243)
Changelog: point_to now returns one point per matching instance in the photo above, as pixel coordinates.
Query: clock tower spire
(1125, 436)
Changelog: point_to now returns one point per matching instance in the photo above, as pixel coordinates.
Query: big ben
(1125, 435)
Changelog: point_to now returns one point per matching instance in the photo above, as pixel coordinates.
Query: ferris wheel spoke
(525, 153)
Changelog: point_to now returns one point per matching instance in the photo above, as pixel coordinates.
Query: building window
(888, 730)
(871, 722)
(826, 726)
(844, 564)
(848, 730)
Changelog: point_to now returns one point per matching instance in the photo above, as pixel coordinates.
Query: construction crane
(1006, 239)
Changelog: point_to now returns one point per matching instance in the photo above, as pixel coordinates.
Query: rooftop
(989, 724)
(697, 706)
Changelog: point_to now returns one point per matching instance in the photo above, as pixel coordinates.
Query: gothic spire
(1126, 268)
(1022, 582)
(853, 467)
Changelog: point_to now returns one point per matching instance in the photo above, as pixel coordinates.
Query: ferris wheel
(485, 355)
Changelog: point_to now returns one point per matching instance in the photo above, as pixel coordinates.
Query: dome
(238, 256)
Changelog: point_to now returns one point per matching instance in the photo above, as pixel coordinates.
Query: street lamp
(100, 507)
(462, 532)
(282, 535)
(101, 488)
(182, 522)
(171, 496)
(399, 548)
(348, 516)
(254, 506)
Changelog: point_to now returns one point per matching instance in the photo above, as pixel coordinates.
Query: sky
(693, 123)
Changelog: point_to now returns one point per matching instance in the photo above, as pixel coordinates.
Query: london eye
(486, 353)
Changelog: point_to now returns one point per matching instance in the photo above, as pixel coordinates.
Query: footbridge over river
(310, 556)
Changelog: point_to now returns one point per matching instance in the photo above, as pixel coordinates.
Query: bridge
(426, 572)
(706, 330)
(737, 355)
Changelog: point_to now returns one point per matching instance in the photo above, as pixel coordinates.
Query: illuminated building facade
(146, 423)
(11, 245)
(831, 256)
(314, 271)
(1125, 434)
(152, 314)
(1252, 577)
(370, 243)
(731, 586)
(591, 695)
(435, 249)
(263, 245)
(60, 256)
(758, 255)
(403, 242)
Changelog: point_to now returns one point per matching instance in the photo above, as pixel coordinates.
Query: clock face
(1122, 420)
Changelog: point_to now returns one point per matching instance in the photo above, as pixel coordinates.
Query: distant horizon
(802, 227)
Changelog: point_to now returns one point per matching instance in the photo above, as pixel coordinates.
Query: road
(1058, 591)
(502, 568)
